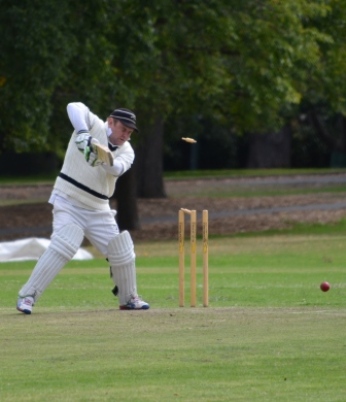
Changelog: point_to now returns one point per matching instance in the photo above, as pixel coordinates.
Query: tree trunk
(149, 161)
(272, 150)
(322, 130)
(337, 142)
(342, 120)
(334, 139)
(125, 194)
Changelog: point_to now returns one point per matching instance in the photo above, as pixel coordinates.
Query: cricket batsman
(80, 200)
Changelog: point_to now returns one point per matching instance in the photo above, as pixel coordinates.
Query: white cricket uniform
(81, 192)
(80, 199)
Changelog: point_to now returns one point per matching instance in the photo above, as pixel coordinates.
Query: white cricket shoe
(25, 304)
(135, 303)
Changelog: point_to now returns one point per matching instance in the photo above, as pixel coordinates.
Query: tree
(149, 161)
(125, 194)
(36, 44)
(247, 66)
(325, 103)
(241, 63)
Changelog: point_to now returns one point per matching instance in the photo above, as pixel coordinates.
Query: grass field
(269, 333)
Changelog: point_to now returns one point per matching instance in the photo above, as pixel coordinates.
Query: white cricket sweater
(95, 179)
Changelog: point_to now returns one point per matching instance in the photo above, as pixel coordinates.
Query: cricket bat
(103, 154)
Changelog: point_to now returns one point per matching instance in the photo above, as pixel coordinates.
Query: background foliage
(239, 67)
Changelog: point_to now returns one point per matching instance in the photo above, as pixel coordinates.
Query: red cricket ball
(324, 286)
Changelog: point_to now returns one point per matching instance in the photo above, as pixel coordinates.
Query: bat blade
(190, 140)
(103, 154)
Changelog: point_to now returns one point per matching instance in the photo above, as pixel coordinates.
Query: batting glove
(90, 153)
(93, 160)
(82, 140)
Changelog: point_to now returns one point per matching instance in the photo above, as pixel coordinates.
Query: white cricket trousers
(99, 226)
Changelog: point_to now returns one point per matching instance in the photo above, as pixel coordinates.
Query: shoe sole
(24, 311)
(129, 308)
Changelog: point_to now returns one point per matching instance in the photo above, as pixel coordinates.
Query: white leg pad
(121, 257)
(62, 248)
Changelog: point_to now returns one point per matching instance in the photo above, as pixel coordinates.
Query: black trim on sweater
(82, 186)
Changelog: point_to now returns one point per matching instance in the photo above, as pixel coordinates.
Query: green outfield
(269, 334)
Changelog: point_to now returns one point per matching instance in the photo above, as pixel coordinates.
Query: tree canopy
(248, 64)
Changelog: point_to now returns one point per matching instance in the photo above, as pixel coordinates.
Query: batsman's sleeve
(79, 116)
(121, 162)
(116, 170)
